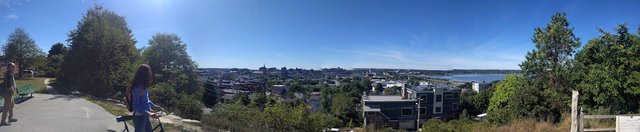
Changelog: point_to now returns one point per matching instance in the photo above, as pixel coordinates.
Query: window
(456, 95)
(371, 113)
(407, 111)
(423, 111)
(454, 106)
(448, 95)
(438, 98)
(438, 109)
(423, 98)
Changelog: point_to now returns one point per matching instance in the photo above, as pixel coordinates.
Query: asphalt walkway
(61, 113)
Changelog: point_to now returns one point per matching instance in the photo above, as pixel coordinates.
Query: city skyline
(437, 35)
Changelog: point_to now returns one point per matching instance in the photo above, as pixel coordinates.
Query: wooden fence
(578, 117)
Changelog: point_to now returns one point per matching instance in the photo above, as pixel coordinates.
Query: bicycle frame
(123, 119)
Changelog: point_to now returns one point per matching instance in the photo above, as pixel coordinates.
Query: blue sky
(407, 34)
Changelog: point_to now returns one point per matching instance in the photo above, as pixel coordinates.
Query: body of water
(471, 77)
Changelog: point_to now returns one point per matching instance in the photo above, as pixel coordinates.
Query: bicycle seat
(124, 118)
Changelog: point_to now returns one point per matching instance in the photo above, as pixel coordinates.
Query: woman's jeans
(142, 123)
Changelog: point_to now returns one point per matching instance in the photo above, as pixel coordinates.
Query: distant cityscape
(396, 99)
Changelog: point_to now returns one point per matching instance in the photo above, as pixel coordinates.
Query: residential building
(415, 102)
(478, 86)
(314, 101)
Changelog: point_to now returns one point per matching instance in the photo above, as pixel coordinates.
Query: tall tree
(607, 73)
(167, 55)
(102, 55)
(22, 50)
(547, 66)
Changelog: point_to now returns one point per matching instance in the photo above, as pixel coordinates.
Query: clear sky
(407, 34)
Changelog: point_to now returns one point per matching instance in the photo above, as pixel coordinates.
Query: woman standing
(138, 89)
(8, 91)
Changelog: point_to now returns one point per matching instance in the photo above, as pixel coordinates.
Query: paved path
(61, 113)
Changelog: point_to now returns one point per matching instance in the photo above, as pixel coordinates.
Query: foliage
(163, 94)
(233, 117)
(277, 116)
(102, 55)
(22, 50)
(57, 49)
(379, 87)
(547, 67)
(607, 73)
(501, 107)
(167, 55)
(188, 107)
(477, 103)
(55, 59)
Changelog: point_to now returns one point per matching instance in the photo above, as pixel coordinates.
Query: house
(389, 111)
(478, 86)
(314, 101)
(421, 102)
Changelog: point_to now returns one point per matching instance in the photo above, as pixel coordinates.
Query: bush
(163, 94)
(188, 107)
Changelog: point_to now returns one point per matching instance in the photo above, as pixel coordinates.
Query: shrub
(188, 107)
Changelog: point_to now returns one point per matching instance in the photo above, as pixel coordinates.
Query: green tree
(282, 117)
(379, 87)
(547, 67)
(321, 121)
(55, 59)
(102, 55)
(22, 50)
(501, 109)
(57, 49)
(435, 125)
(167, 55)
(188, 107)
(607, 73)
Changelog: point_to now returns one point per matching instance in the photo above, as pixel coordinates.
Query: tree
(379, 87)
(547, 67)
(55, 58)
(22, 50)
(607, 73)
(321, 121)
(57, 49)
(501, 109)
(102, 55)
(167, 55)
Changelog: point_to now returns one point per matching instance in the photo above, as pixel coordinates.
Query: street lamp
(418, 120)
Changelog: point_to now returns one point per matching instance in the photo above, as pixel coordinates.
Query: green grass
(37, 83)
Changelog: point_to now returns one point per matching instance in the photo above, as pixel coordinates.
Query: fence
(578, 117)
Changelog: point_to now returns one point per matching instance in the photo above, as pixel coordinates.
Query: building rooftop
(427, 88)
(382, 98)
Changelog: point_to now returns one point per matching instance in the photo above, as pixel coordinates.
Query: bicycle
(125, 118)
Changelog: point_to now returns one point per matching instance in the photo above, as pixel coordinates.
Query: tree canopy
(167, 55)
(102, 55)
(547, 67)
(607, 73)
(21, 49)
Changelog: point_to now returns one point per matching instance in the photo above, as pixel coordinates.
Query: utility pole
(418, 120)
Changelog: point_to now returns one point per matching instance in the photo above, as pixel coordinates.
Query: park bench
(23, 90)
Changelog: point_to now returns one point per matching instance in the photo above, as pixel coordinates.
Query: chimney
(404, 92)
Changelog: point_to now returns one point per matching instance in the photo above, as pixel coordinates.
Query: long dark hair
(142, 77)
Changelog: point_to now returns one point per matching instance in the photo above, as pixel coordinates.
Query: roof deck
(386, 98)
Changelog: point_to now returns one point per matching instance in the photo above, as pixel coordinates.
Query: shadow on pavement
(23, 99)
(66, 97)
